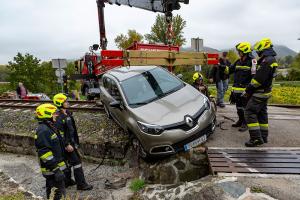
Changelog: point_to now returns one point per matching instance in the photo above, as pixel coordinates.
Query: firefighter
(50, 149)
(199, 84)
(259, 91)
(242, 77)
(66, 125)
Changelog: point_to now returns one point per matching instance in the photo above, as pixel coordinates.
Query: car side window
(114, 91)
(106, 83)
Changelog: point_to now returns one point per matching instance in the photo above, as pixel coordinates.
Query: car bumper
(172, 141)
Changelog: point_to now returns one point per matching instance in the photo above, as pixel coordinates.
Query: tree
(124, 41)
(35, 76)
(158, 32)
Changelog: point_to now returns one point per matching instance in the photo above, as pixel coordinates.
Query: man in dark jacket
(242, 77)
(66, 125)
(50, 149)
(220, 75)
(259, 91)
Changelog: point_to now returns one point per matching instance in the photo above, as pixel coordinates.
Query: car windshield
(149, 86)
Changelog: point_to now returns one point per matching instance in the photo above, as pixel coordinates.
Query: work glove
(59, 175)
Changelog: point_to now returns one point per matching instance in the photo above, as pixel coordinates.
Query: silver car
(162, 113)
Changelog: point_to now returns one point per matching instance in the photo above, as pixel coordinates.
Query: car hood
(172, 108)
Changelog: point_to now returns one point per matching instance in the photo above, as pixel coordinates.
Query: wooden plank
(263, 155)
(165, 54)
(259, 170)
(164, 62)
(256, 160)
(254, 165)
(239, 151)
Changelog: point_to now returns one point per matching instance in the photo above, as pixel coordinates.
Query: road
(284, 129)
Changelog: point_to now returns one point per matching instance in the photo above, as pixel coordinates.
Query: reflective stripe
(77, 166)
(47, 156)
(46, 172)
(53, 136)
(255, 83)
(240, 108)
(263, 95)
(238, 90)
(274, 65)
(62, 165)
(253, 126)
(35, 137)
(264, 126)
(226, 71)
(243, 67)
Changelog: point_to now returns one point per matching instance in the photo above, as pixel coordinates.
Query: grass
(137, 185)
(17, 196)
(281, 94)
(255, 189)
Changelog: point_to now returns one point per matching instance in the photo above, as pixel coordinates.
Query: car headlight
(150, 128)
(207, 104)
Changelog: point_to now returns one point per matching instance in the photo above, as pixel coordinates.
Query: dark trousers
(256, 115)
(58, 188)
(241, 103)
(74, 161)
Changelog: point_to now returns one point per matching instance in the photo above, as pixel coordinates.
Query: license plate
(195, 143)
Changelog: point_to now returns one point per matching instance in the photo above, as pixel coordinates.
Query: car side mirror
(115, 104)
(179, 76)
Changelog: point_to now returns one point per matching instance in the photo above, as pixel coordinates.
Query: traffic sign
(60, 72)
(59, 63)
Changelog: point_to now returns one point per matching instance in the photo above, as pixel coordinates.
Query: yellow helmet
(244, 47)
(45, 111)
(197, 75)
(59, 99)
(263, 44)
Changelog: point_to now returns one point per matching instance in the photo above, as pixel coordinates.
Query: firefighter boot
(237, 124)
(80, 180)
(241, 120)
(243, 127)
(264, 135)
(254, 142)
(68, 178)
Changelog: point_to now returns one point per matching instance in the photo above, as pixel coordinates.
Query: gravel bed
(93, 128)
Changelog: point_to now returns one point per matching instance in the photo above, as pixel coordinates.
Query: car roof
(124, 73)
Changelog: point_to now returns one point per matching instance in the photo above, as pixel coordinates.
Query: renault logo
(189, 121)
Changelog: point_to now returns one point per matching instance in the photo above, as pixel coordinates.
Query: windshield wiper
(171, 91)
(145, 102)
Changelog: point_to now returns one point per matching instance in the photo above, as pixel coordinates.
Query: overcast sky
(66, 28)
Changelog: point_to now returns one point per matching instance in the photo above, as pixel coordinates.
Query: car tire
(139, 147)
(107, 112)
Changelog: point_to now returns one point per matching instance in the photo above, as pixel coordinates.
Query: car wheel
(141, 151)
(107, 112)
(90, 98)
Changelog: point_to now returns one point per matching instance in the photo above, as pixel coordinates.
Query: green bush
(137, 185)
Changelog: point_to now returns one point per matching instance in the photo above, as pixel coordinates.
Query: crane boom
(163, 6)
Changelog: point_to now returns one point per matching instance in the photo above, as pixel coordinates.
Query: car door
(111, 93)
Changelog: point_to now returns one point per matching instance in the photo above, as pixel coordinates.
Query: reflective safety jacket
(261, 84)
(67, 128)
(242, 74)
(50, 148)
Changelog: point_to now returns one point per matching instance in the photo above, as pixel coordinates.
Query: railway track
(83, 106)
